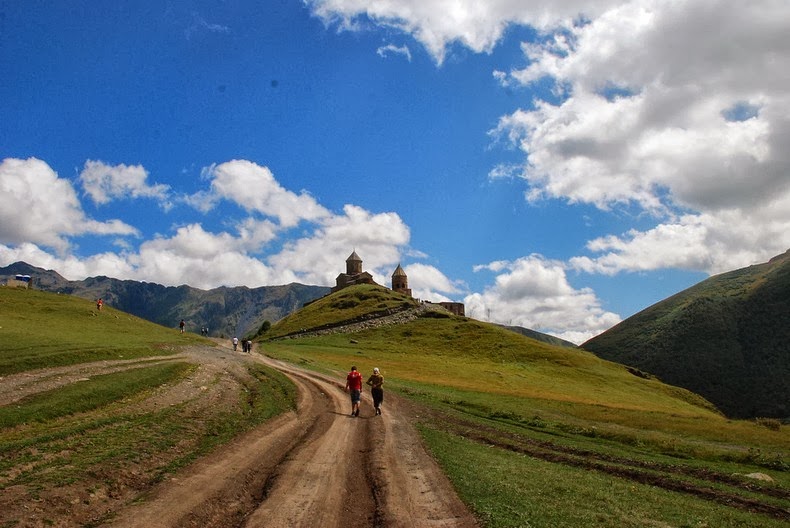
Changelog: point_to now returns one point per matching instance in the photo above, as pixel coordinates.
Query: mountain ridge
(225, 311)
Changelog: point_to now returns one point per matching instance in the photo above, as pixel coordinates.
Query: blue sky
(556, 167)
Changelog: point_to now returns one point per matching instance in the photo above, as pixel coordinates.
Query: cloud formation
(38, 207)
(677, 110)
(439, 24)
(534, 292)
(255, 189)
(654, 113)
(239, 255)
(104, 183)
(385, 51)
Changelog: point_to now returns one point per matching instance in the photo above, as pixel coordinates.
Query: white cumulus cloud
(535, 293)
(255, 188)
(677, 107)
(39, 207)
(104, 183)
(437, 24)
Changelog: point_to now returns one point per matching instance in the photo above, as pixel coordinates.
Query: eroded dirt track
(317, 466)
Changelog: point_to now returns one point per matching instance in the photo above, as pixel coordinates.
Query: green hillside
(533, 434)
(530, 434)
(98, 406)
(40, 329)
(726, 338)
(351, 304)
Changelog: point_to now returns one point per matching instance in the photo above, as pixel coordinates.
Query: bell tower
(353, 264)
(400, 282)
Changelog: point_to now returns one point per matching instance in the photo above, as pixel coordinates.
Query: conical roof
(353, 257)
(398, 272)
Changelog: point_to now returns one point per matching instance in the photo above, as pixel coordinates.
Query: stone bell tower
(400, 282)
(353, 264)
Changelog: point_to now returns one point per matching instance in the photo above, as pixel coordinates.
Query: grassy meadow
(40, 329)
(106, 434)
(537, 435)
(530, 434)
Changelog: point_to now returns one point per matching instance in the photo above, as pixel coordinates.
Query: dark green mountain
(726, 338)
(224, 311)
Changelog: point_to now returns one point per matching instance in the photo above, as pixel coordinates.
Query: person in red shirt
(354, 388)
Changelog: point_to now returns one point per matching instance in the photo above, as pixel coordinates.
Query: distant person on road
(354, 388)
(235, 343)
(376, 380)
(181, 325)
(249, 346)
(99, 304)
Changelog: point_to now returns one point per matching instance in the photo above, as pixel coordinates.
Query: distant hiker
(99, 304)
(376, 380)
(354, 388)
(249, 346)
(235, 343)
(181, 325)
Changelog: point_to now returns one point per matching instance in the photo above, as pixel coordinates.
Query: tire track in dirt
(317, 466)
(672, 478)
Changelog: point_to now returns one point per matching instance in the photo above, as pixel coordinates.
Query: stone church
(355, 275)
(400, 282)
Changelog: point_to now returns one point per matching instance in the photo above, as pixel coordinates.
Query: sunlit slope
(347, 305)
(41, 329)
(461, 353)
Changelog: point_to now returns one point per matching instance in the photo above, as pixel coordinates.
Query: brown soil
(317, 466)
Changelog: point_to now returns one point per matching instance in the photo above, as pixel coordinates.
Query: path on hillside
(317, 466)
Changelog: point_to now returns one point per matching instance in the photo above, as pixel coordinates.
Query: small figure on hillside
(235, 342)
(376, 380)
(244, 346)
(354, 388)
(181, 325)
(99, 304)
(249, 346)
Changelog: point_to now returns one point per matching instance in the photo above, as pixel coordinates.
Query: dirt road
(317, 466)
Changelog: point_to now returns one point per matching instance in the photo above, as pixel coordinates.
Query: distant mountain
(224, 311)
(726, 338)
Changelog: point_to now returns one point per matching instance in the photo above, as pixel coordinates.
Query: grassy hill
(530, 434)
(353, 304)
(726, 338)
(40, 329)
(533, 434)
(96, 407)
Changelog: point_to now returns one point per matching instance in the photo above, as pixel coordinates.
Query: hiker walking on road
(376, 380)
(354, 388)
(181, 325)
(235, 343)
